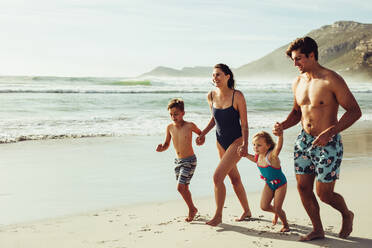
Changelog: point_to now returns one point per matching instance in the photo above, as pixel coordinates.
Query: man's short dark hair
(176, 103)
(306, 45)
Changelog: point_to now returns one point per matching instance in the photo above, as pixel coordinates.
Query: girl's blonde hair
(267, 137)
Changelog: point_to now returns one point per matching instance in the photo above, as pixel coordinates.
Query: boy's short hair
(306, 45)
(176, 103)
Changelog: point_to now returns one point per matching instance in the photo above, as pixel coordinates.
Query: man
(318, 93)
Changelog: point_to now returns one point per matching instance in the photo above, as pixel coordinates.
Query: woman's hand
(243, 150)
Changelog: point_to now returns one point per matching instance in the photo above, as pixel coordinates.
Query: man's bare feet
(285, 229)
(313, 235)
(347, 226)
(192, 214)
(245, 215)
(275, 219)
(215, 221)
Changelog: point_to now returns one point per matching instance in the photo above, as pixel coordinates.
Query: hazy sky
(130, 37)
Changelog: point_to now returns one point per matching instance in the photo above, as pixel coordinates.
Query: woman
(229, 114)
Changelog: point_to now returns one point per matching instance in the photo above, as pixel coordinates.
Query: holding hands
(278, 129)
(200, 140)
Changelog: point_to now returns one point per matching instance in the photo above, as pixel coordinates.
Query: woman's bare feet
(313, 235)
(275, 219)
(215, 221)
(347, 226)
(192, 214)
(285, 228)
(245, 215)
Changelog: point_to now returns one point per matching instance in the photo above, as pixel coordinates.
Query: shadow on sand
(331, 239)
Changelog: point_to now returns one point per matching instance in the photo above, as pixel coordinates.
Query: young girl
(266, 157)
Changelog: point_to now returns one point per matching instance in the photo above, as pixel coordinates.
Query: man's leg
(305, 186)
(326, 194)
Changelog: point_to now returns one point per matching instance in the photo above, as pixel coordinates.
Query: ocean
(62, 171)
(37, 108)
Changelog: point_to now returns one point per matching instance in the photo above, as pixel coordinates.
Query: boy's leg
(305, 187)
(279, 196)
(186, 195)
(326, 194)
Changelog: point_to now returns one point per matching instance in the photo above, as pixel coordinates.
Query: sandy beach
(161, 223)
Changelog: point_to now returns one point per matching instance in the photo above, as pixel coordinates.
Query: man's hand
(323, 138)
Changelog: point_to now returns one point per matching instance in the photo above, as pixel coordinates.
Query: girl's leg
(279, 196)
(229, 158)
(266, 198)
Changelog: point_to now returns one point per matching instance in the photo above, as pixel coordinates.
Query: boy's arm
(195, 129)
(163, 147)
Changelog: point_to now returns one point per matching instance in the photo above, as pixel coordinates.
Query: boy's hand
(200, 140)
(160, 148)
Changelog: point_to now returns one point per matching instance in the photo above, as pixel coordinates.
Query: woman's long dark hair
(227, 71)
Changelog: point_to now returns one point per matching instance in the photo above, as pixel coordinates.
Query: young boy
(181, 133)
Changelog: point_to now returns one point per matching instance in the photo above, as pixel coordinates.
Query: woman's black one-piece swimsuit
(228, 127)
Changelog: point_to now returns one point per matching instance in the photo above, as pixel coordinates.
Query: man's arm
(293, 117)
(347, 101)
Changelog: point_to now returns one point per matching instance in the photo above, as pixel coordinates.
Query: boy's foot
(285, 229)
(192, 214)
(347, 226)
(215, 221)
(245, 215)
(313, 235)
(275, 219)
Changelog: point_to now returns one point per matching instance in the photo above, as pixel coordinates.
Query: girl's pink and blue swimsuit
(274, 177)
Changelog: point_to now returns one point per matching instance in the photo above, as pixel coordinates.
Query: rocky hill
(344, 46)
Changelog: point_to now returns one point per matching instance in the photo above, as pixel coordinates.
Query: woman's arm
(242, 108)
(200, 140)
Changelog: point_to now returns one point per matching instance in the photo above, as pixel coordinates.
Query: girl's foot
(215, 221)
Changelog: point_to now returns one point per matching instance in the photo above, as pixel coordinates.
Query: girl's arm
(278, 146)
(163, 147)
(274, 154)
(251, 157)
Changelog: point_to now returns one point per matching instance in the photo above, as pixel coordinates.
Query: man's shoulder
(331, 76)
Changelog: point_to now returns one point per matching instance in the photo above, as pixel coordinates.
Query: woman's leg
(229, 158)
